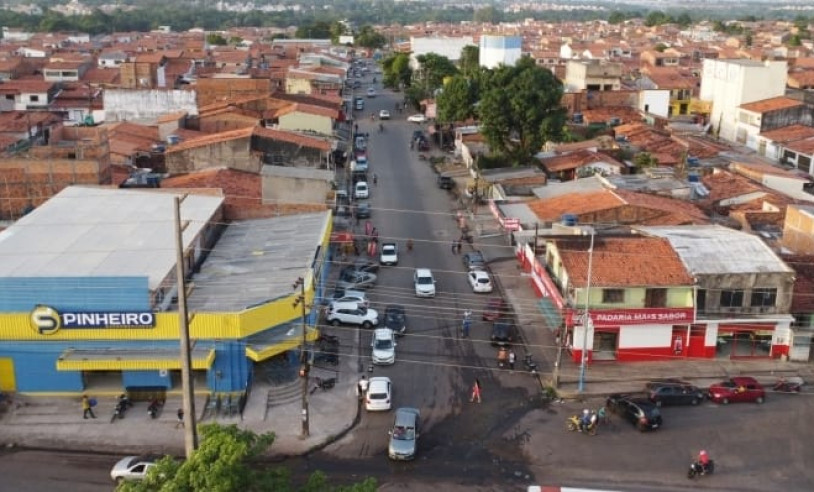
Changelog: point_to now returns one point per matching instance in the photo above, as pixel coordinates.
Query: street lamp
(587, 323)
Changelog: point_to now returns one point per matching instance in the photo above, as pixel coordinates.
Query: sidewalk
(602, 378)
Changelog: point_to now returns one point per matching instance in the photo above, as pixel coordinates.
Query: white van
(361, 190)
(360, 104)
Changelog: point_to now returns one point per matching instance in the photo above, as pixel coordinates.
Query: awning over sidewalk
(278, 340)
(131, 359)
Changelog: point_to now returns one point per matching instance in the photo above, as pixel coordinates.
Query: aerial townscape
(389, 245)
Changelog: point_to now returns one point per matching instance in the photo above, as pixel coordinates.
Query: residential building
(728, 84)
(592, 75)
(447, 46)
(798, 229)
(499, 50)
(769, 114)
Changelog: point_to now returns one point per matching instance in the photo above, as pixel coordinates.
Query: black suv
(673, 393)
(474, 259)
(503, 333)
(641, 412)
(445, 182)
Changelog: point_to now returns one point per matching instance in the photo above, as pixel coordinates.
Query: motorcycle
(121, 407)
(788, 385)
(574, 423)
(153, 408)
(323, 384)
(697, 469)
(529, 364)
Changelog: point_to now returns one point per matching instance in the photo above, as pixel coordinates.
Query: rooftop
(257, 261)
(102, 232)
(713, 250)
(771, 104)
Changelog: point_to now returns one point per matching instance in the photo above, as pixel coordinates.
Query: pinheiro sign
(46, 320)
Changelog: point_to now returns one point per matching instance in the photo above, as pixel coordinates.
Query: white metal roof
(86, 231)
(714, 249)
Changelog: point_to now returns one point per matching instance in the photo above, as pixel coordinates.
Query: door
(8, 382)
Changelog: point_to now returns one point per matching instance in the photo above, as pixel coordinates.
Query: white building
(448, 47)
(730, 83)
(500, 50)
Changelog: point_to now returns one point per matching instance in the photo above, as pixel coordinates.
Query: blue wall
(21, 294)
(231, 369)
(146, 378)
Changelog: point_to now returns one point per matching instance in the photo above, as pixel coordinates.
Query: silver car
(404, 436)
(356, 280)
(133, 468)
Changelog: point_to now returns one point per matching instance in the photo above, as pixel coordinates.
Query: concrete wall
(798, 230)
(297, 121)
(296, 190)
(715, 284)
(655, 102)
(235, 153)
(645, 336)
(147, 105)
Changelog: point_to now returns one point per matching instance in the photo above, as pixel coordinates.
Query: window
(701, 300)
(9, 97)
(655, 298)
(611, 296)
(34, 98)
(731, 298)
(764, 297)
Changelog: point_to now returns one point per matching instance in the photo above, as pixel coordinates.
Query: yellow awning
(261, 351)
(131, 360)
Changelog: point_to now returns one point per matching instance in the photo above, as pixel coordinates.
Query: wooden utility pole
(187, 387)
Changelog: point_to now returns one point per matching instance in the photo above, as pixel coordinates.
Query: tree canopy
(457, 102)
(367, 37)
(520, 109)
(396, 71)
(226, 461)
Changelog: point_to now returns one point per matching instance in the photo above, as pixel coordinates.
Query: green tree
(337, 29)
(645, 159)
(660, 47)
(747, 40)
(396, 71)
(367, 37)
(216, 39)
(488, 15)
(227, 460)
(314, 30)
(457, 100)
(520, 109)
(469, 63)
(684, 19)
(433, 69)
(656, 18)
(795, 40)
(616, 17)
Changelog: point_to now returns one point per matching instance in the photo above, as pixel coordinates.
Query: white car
(356, 296)
(384, 114)
(351, 313)
(389, 254)
(371, 92)
(417, 118)
(361, 190)
(383, 347)
(379, 394)
(424, 282)
(132, 468)
(480, 281)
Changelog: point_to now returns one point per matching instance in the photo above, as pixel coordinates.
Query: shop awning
(131, 359)
(277, 340)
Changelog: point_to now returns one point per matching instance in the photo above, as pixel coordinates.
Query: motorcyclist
(703, 460)
(124, 402)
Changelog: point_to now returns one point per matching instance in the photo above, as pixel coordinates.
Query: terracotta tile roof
(671, 78)
(802, 78)
(98, 75)
(723, 185)
(757, 170)
(25, 86)
(308, 109)
(211, 139)
(577, 159)
(19, 121)
(552, 209)
(620, 262)
(602, 115)
(805, 146)
(294, 138)
(789, 133)
(676, 211)
(771, 104)
(149, 58)
(802, 300)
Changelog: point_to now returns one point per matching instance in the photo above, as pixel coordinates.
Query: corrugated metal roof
(256, 261)
(714, 249)
(88, 231)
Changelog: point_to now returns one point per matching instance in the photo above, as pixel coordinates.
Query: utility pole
(187, 388)
(305, 369)
(587, 323)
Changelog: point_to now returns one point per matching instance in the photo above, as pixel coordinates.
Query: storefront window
(613, 296)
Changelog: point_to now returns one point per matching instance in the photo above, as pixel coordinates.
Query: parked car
(504, 333)
(371, 92)
(424, 282)
(363, 210)
(395, 318)
(495, 308)
(379, 394)
(474, 259)
(479, 281)
(356, 280)
(383, 347)
(384, 114)
(641, 412)
(361, 190)
(736, 390)
(674, 393)
(132, 468)
(404, 435)
(360, 143)
(345, 295)
(417, 118)
(389, 254)
(445, 182)
(360, 265)
(351, 313)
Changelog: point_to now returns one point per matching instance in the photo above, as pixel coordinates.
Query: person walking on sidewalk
(465, 326)
(362, 386)
(454, 246)
(512, 358)
(475, 391)
(87, 408)
(180, 421)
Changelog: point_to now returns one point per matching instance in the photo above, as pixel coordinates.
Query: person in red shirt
(703, 460)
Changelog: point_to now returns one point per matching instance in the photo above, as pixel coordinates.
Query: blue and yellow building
(88, 292)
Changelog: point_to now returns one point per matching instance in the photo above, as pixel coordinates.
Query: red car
(495, 308)
(737, 389)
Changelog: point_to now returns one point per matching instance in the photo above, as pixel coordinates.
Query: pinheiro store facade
(68, 333)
